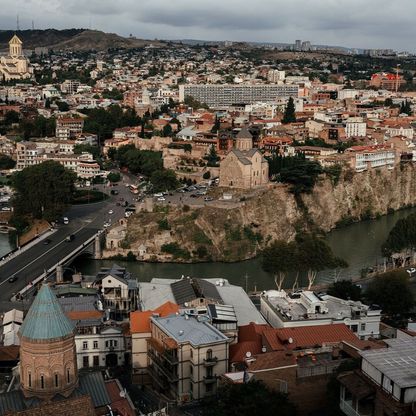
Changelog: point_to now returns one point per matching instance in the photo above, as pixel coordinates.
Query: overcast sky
(351, 23)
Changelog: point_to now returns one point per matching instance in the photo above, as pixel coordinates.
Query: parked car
(111, 212)
(6, 209)
(208, 198)
(13, 278)
(158, 195)
(65, 220)
(161, 198)
(106, 224)
(47, 241)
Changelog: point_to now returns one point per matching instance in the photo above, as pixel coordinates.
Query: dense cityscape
(244, 159)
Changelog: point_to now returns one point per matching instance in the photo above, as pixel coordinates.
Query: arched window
(68, 377)
(29, 379)
(56, 380)
(209, 354)
(42, 382)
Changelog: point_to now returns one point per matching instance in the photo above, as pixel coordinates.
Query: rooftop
(398, 362)
(189, 329)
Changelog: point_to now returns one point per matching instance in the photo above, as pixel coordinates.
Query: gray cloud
(354, 23)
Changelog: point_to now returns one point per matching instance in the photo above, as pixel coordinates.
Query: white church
(15, 65)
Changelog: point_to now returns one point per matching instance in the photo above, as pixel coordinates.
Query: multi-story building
(70, 86)
(68, 127)
(387, 81)
(275, 76)
(370, 157)
(355, 127)
(187, 355)
(225, 95)
(305, 308)
(385, 384)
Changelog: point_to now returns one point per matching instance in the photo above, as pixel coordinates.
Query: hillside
(72, 39)
(237, 233)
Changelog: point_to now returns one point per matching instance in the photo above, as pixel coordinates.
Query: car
(411, 271)
(158, 195)
(6, 209)
(106, 224)
(111, 212)
(161, 198)
(182, 191)
(69, 238)
(47, 241)
(208, 198)
(13, 278)
(65, 220)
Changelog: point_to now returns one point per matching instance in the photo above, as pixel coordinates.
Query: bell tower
(244, 140)
(48, 363)
(15, 47)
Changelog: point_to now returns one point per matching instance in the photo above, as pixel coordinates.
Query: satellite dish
(290, 340)
(248, 354)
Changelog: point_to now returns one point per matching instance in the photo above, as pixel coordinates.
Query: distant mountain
(72, 39)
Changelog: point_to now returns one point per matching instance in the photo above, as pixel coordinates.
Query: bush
(206, 175)
(163, 224)
(201, 238)
(175, 250)
(201, 251)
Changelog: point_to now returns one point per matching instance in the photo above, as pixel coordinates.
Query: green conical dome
(46, 319)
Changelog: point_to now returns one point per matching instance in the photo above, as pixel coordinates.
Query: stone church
(244, 167)
(15, 65)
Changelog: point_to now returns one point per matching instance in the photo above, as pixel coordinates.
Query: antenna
(17, 23)
(33, 25)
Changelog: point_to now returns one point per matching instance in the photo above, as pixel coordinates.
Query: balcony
(210, 379)
(347, 408)
(164, 368)
(209, 362)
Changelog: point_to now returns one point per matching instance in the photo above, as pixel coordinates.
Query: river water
(359, 244)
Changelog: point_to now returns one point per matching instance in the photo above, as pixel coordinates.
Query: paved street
(84, 222)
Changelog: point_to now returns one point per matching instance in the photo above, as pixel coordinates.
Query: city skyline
(350, 24)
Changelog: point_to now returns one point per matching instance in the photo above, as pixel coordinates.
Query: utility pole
(17, 23)
(246, 277)
(397, 77)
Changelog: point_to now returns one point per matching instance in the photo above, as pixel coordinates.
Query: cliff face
(240, 231)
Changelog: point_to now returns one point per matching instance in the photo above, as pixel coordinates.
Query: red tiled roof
(140, 320)
(118, 403)
(310, 336)
(271, 360)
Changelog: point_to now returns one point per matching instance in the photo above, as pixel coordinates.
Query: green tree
(114, 177)
(345, 289)
(406, 108)
(248, 399)
(315, 255)
(212, 157)
(392, 292)
(301, 176)
(62, 106)
(290, 113)
(167, 130)
(280, 258)
(164, 180)
(11, 117)
(87, 148)
(47, 201)
(6, 162)
(216, 126)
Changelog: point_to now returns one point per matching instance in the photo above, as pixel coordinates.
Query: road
(84, 222)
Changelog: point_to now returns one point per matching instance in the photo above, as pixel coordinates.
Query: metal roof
(93, 384)
(183, 291)
(46, 319)
(398, 362)
(187, 328)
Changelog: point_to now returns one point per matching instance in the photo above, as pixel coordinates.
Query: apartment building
(70, 86)
(355, 127)
(68, 128)
(275, 76)
(371, 157)
(385, 384)
(306, 308)
(187, 355)
(225, 95)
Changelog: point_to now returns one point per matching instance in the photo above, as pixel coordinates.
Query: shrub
(163, 224)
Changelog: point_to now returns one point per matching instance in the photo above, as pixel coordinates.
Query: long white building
(225, 95)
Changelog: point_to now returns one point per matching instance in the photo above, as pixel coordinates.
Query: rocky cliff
(239, 231)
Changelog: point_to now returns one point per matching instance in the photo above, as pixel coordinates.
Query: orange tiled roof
(81, 315)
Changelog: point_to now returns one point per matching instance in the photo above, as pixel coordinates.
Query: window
(85, 345)
(209, 372)
(95, 345)
(192, 354)
(42, 382)
(30, 380)
(85, 361)
(56, 380)
(362, 327)
(209, 354)
(191, 369)
(68, 378)
(354, 328)
(96, 361)
(208, 388)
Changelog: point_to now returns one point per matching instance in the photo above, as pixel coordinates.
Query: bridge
(41, 260)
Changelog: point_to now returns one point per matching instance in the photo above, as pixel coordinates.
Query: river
(359, 244)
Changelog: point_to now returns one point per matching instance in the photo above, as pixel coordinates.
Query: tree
(406, 108)
(11, 117)
(47, 201)
(87, 148)
(6, 162)
(216, 126)
(62, 106)
(392, 292)
(279, 259)
(114, 177)
(212, 157)
(345, 289)
(206, 175)
(401, 241)
(164, 180)
(167, 130)
(302, 176)
(290, 112)
(248, 399)
(315, 255)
